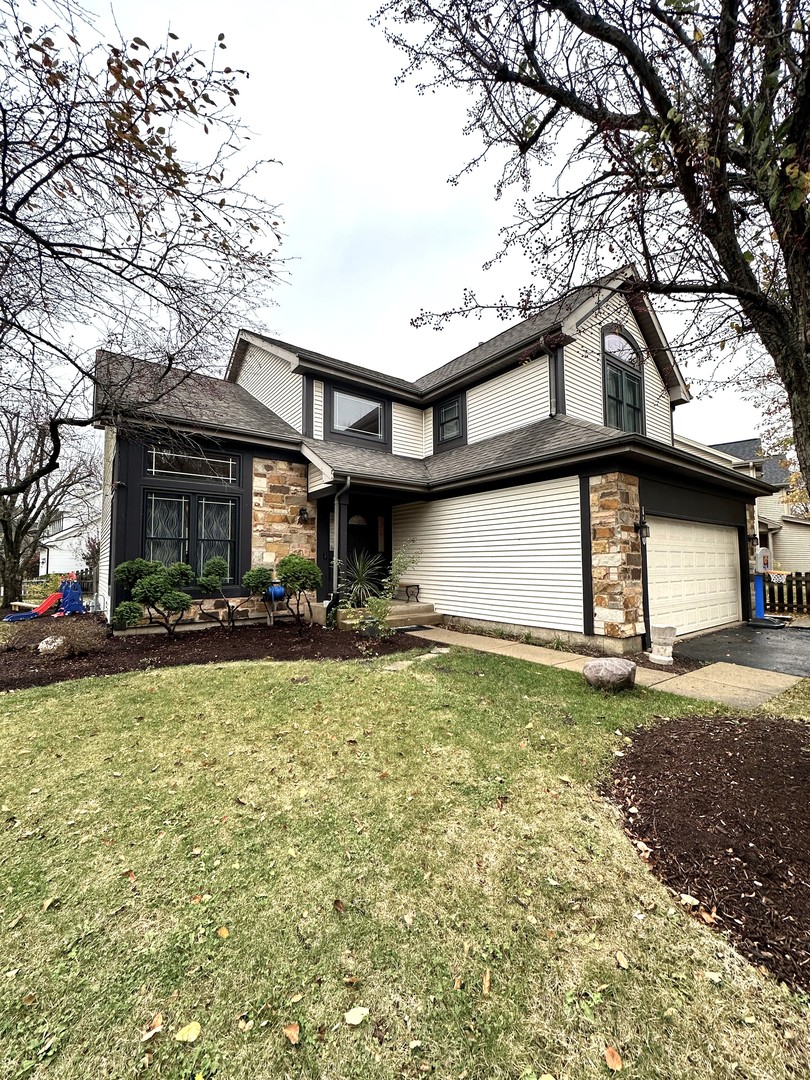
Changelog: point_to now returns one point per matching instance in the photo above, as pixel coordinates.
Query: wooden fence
(791, 598)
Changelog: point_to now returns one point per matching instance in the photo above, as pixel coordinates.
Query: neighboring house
(787, 535)
(60, 548)
(527, 471)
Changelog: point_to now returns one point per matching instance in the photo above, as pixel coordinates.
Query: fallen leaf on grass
(29, 999)
(223, 932)
(293, 1032)
(295, 998)
(154, 1026)
(188, 1034)
(51, 902)
(613, 1059)
(355, 1016)
(689, 901)
(486, 982)
(339, 907)
(129, 874)
(245, 1025)
(408, 919)
(622, 960)
(714, 976)
(709, 917)
(15, 921)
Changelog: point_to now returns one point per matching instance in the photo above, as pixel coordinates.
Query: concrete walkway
(731, 684)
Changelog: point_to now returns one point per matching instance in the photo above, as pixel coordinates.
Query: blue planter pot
(276, 592)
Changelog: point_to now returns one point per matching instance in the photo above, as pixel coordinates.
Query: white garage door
(693, 575)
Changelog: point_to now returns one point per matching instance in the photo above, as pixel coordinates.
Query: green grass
(450, 808)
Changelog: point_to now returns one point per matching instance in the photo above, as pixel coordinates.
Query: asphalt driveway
(786, 650)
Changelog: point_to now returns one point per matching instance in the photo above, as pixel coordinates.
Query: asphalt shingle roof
(550, 438)
(773, 472)
(146, 390)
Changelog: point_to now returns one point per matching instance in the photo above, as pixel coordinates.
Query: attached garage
(693, 574)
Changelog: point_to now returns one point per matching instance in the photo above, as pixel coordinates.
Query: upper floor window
(449, 420)
(623, 386)
(353, 415)
(449, 423)
(170, 464)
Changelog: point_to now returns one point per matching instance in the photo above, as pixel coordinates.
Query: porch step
(413, 615)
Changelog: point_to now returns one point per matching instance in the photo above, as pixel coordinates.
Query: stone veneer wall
(279, 492)
(618, 596)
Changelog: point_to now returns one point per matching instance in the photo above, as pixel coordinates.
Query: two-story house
(536, 473)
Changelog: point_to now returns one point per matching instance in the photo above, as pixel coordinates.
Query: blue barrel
(276, 592)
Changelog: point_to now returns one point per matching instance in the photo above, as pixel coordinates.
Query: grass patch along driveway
(257, 846)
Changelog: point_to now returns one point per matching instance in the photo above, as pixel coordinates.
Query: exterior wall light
(642, 528)
(303, 515)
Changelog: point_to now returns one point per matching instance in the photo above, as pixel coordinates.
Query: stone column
(618, 598)
(279, 493)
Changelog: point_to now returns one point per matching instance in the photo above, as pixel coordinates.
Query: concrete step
(425, 618)
(412, 609)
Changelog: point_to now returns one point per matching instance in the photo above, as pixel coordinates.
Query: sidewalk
(730, 684)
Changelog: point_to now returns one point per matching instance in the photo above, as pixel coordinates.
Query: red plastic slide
(47, 603)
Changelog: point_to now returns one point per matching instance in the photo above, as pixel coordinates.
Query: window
(353, 415)
(623, 387)
(191, 528)
(449, 423)
(170, 464)
(450, 420)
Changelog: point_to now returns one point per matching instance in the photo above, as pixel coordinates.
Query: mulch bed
(21, 666)
(722, 805)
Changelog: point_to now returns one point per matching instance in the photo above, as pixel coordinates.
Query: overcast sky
(374, 232)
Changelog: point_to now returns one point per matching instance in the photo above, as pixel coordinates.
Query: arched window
(623, 385)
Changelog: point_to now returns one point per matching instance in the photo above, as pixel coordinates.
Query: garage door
(693, 575)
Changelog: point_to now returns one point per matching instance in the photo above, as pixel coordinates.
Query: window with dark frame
(190, 528)
(450, 420)
(170, 464)
(357, 416)
(623, 386)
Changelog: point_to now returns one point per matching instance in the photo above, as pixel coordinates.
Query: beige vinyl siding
(317, 409)
(105, 530)
(407, 431)
(427, 432)
(771, 506)
(512, 400)
(657, 408)
(315, 478)
(582, 365)
(511, 555)
(791, 546)
(268, 377)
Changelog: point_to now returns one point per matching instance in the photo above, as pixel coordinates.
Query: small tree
(257, 581)
(299, 576)
(158, 588)
(214, 577)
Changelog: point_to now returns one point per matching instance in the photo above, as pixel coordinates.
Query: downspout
(335, 561)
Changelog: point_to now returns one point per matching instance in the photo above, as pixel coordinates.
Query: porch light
(303, 515)
(641, 527)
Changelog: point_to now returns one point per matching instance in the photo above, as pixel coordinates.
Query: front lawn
(252, 847)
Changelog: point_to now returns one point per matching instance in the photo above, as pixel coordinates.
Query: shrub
(127, 574)
(257, 581)
(299, 576)
(127, 614)
(214, 576)
(158, 588)
(43, 587)
(361, 577)
(378, 608)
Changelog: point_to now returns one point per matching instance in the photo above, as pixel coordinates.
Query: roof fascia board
(217, 431)
(304, 366)
(319, 463)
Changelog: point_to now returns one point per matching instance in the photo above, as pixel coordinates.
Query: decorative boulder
(53, 646)
(610, 673)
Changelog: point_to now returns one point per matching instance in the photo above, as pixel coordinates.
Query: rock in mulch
(53, 646)
(610, 673)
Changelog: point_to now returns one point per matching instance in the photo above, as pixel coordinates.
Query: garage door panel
(693, 574)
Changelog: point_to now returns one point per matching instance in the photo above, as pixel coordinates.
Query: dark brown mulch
(724, 804)
(22, 666)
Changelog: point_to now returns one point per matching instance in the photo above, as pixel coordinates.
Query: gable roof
(773, 471)
(538, 333)
(138, 390)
